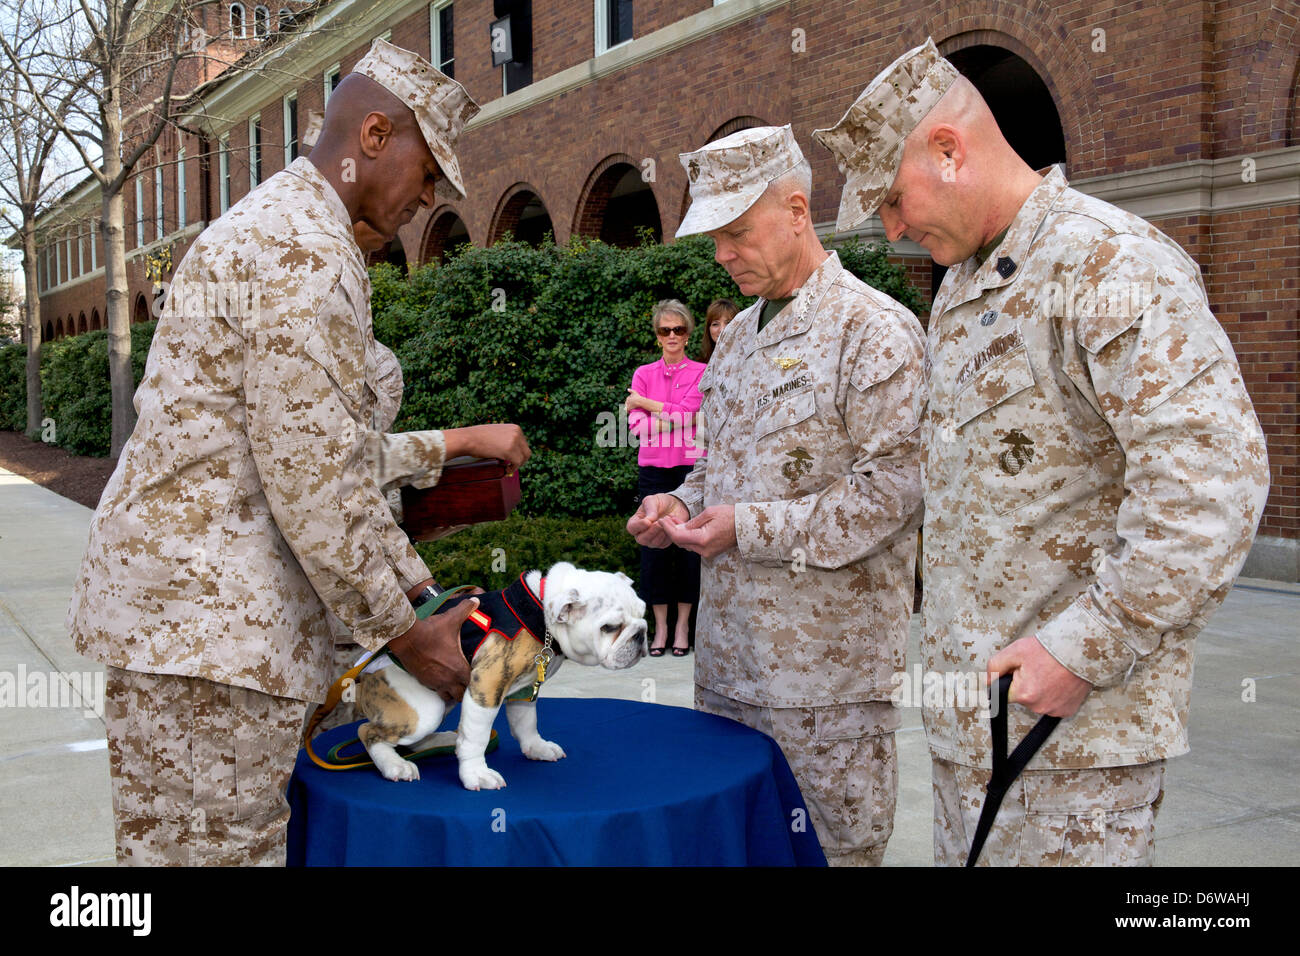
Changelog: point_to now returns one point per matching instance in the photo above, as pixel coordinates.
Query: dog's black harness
(510, 612)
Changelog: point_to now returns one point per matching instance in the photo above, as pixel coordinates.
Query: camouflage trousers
(1102, 817)
(199, 770)
(844, 761)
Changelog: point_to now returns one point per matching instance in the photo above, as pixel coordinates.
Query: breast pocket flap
(993, 384)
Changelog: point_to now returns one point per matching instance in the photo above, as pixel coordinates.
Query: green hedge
(13, 387)
(492, 555)
(74, 387)
(547, 337)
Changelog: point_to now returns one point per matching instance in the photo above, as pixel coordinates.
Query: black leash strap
(1006, 770)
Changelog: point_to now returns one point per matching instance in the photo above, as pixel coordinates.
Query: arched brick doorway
(141, 313)
(392, 251)
(1021, 103)
(522, 214)
(618, 205)
(445, 235)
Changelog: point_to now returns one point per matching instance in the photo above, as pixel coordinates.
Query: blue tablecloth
(642, 785)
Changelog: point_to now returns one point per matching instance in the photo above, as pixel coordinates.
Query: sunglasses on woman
(673, 330)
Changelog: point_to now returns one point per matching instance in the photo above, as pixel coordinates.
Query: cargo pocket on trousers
(261, 767)
(858, 741)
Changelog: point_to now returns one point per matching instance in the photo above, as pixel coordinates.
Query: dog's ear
(622, 577)
(571, 608)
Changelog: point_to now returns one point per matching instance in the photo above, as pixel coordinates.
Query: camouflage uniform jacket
(1094, 473)
(814, 435)
(247, 499)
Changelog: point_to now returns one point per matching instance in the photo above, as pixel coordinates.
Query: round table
(642, 785)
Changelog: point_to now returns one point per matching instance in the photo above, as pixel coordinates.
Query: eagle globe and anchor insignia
(800, 463)
(1019, 454)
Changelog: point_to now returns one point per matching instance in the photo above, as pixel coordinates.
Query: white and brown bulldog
(593, 617)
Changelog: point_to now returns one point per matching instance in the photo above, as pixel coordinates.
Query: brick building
(1184, 112)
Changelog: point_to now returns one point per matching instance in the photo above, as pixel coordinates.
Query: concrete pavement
(1232, 801)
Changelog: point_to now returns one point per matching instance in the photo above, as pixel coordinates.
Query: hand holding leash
(431, 651)
(1040, 683)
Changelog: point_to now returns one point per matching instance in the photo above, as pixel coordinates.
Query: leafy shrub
(76, 390)
(548, 337)
(13, 387)
(468, 557)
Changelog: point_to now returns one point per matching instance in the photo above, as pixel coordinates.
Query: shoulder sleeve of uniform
(1141, 344)
(1139, 285)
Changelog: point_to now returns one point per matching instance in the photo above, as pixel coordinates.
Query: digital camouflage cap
(440, 104)
(730, 174)
(868, 139)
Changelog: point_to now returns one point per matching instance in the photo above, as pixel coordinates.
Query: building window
(58, 264)
(81, 255)
(261, 21)
(94, 245)
(286, 18)
(332, 77)
(613, 24)
(158, 203)
(68, 245)
(237, 21)
(442, 38)
(290, 128)
(181, 197)
(254, 150)
(139, 211)
(223, 170)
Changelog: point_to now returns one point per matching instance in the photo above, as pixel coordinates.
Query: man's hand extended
(645, 525)
(506, 442)
(709, 533)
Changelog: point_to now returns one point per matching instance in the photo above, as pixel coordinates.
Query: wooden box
(471, 490)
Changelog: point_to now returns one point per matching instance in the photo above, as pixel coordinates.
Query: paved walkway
(1234, 800)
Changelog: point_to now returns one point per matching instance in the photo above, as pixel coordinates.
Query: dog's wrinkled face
(596, 616)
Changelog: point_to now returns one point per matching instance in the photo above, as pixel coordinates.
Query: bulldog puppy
(594, 617)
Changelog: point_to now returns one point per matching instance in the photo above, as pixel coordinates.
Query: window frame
(290, 144)
(435, 36)
(602, 29)
(254, 151)
(223, 173)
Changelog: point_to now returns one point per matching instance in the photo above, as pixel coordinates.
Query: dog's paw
(480, 777)
(540, 749)
(398, 768)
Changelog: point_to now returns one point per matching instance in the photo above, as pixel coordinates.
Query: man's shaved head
(355, 98)
(959, 183)
(373, 152)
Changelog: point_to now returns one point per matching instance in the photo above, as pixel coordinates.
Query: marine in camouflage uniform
(1094, 473)
(813, 436)
(247, 504)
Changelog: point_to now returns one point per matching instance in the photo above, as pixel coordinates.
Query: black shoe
(681, 651)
